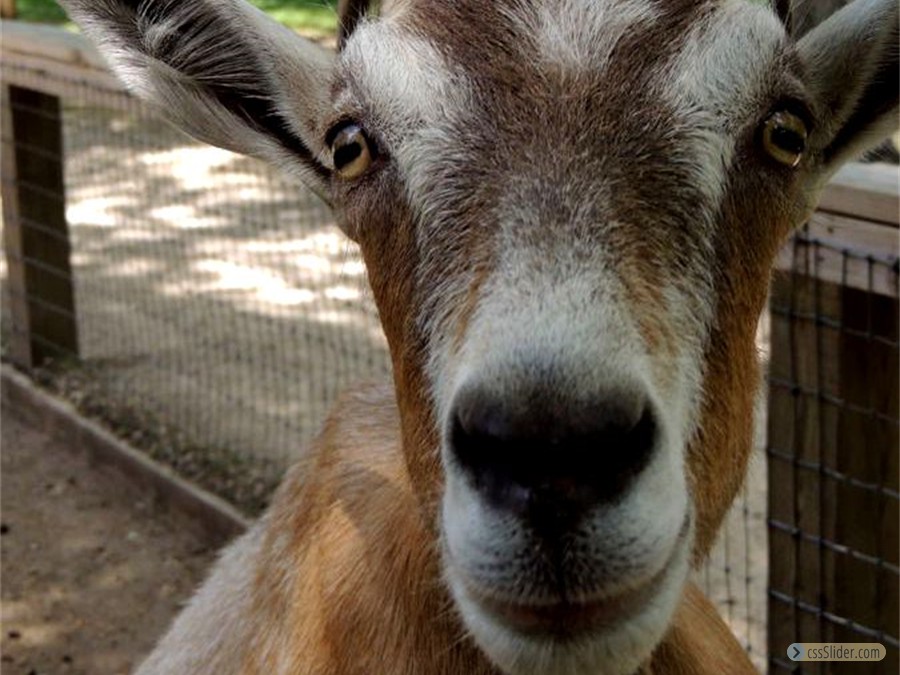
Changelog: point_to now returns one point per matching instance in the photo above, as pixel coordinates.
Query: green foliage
(317, 17)
(41, 11)
(306, 16)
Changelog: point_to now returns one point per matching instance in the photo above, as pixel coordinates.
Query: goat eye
(784, 137)
(350, 152)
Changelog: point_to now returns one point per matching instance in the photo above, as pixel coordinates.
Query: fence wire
(833, 453)
(219, 309)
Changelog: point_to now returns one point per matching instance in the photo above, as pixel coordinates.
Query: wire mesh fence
(211, 293)
(833, 449)
(219, 310)
(210, 312)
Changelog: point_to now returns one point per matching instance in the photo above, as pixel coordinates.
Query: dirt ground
(92, 573)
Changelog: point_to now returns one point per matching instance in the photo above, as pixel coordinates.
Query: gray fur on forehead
(486, 11)
(487, 37)
(632, 98)
(563, 51)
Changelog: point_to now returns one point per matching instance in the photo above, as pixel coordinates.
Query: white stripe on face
(405, 80)
(409, 91)
(719, 78)
(578, 34)
(726, 62)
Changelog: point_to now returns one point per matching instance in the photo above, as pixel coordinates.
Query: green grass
(316, 17)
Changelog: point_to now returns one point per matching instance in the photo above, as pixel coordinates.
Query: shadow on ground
(92, 572)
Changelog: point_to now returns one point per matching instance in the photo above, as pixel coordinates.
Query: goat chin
(614, 636)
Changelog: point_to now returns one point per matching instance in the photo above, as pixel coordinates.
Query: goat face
(569, 223)
(554, 187)
(568, 211)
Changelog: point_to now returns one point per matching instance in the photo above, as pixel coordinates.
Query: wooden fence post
(865, 516)
(35, 232)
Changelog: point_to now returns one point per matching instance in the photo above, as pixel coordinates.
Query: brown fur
(746, 247)
(699, 642)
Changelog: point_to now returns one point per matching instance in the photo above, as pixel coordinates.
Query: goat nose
(547, 464)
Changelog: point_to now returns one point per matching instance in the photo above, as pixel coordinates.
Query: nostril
(628, 448)
(492, 453)
(538, 459)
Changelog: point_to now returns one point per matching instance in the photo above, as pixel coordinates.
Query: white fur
(617, 650)
(559, 323)
(197, 645)
(404, 80)
(578, 34)
(720, 77)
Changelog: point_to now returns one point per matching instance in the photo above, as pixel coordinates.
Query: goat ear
(851, 61)
(222, 71)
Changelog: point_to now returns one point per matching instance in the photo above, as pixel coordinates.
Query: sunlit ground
(219, 295)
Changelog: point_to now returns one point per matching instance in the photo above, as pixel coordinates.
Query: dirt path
(91, 572)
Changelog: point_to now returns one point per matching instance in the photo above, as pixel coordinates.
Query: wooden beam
(20, 346)
(865, 191)
(50, 42)
(846, 250)
(833, 464)
(801, 436)
(48, 59)
(866, 518)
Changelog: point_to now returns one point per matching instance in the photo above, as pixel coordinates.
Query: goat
(569, 211)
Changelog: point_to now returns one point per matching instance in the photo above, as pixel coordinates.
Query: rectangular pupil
(346, 154)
